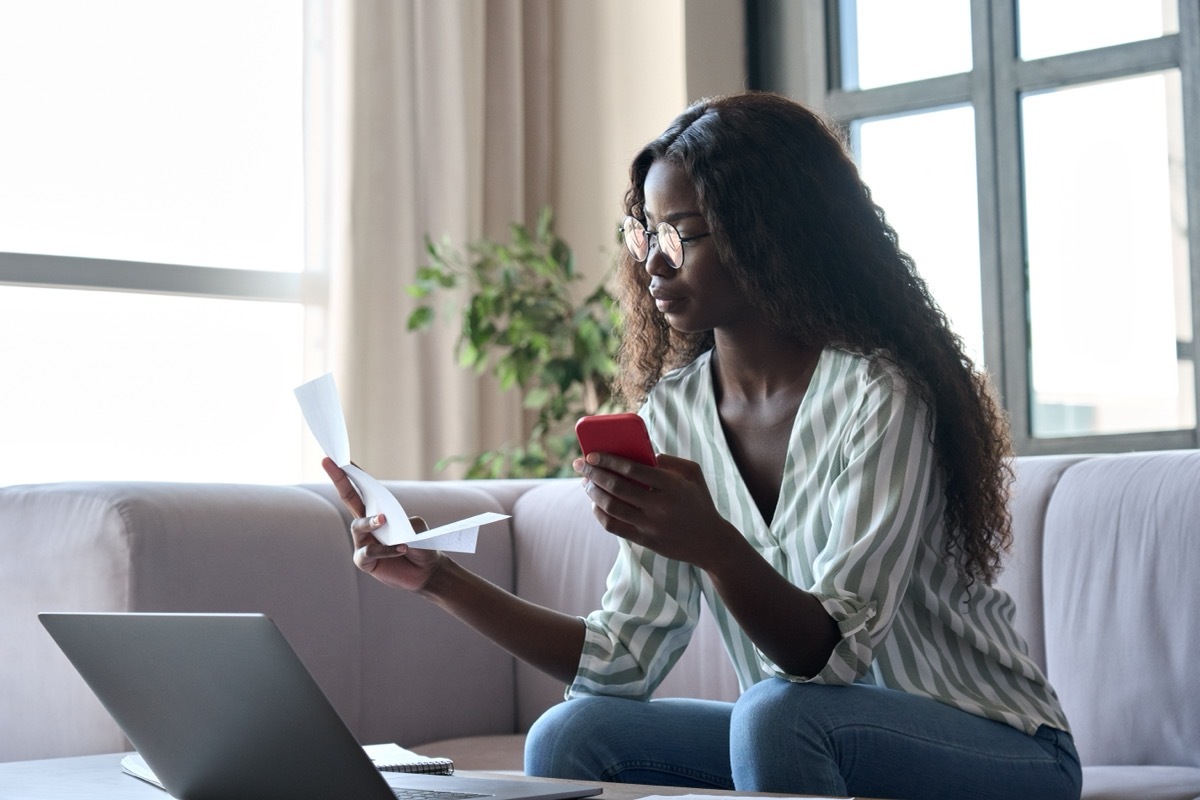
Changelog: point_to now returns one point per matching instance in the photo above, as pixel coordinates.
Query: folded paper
(323, 412)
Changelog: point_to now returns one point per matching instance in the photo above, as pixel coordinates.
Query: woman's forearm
(789, 625)
(546, 639)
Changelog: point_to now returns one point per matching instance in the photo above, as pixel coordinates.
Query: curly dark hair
(799, 232)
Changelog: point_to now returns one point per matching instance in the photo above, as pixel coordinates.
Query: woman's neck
(758, 368)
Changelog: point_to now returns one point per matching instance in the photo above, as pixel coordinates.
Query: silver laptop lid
(217, 705)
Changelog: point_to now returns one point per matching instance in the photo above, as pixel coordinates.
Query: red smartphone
(620, 434)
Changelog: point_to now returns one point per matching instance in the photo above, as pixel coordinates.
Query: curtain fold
(446, 136)
(453, 119)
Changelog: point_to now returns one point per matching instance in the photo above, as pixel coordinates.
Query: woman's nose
(657, 264)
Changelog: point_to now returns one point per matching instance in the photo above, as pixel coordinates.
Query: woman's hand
(550, 641)
(667, 509)
(394, 565)
(672, 513)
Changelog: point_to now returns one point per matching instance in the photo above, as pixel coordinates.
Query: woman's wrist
(438, 583)
(728, 561)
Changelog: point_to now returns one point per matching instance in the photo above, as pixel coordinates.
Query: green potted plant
(521, 323)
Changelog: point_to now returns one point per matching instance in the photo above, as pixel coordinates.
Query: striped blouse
(859, 523)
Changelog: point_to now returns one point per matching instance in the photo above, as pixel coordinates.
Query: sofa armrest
(396, 668)
(159, 547)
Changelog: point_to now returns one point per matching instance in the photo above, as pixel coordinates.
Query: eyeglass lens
(637, 239)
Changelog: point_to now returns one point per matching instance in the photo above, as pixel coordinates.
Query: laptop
(220, 705)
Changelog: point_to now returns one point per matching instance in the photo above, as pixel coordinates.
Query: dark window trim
(786, 54)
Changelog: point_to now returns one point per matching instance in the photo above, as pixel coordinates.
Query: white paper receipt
(323, 412)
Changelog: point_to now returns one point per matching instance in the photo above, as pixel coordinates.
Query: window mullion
(135, 276)
(1010, 235)
(1189, 67)
(983, 103)
(1110, 443)
(1102, 64)
(899, 98)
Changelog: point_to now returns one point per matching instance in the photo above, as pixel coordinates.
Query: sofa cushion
(1140, 783)
(1122, 556)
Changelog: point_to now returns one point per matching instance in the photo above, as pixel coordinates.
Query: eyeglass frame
(664, 232)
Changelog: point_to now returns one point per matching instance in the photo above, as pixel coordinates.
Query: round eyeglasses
(637, 239)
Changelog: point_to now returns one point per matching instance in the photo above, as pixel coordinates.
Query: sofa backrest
(1104, 570)
(1036, 479)
(563, 557)
(1121, 571)
(424, 676)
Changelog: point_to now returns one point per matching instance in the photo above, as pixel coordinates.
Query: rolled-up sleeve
(644, 624)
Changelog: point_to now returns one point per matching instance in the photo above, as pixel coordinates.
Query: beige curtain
(445, 135)
(455, 118)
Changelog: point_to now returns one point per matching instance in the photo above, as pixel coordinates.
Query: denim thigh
(803, 738)
(868, 740)
(670, 742)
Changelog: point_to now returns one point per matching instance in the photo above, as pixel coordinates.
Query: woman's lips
(665, 302)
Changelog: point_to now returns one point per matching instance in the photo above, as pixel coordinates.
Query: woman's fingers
(345, 489)
(363, 528)
(370, 554)
(368, 550)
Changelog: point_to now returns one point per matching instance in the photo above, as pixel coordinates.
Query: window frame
(309, 285)
(797, 51)
(74, 272)
(305, 284)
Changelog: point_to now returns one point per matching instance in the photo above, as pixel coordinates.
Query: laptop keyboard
(431, 794)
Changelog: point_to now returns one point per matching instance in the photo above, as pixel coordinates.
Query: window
(152, 248)
(1036, 159)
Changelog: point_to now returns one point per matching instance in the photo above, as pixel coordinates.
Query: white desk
(96, 777)
(100, 778)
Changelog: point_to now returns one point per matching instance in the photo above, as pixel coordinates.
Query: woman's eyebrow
(675, 216)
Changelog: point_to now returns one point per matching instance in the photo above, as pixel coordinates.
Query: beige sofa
(1104, 572)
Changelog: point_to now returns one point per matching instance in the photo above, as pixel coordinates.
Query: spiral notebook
(386, 757)
(394, 758)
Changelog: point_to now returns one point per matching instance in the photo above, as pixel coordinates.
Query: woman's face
(701, 295)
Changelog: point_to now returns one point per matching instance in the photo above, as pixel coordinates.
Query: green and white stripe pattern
(859, 523)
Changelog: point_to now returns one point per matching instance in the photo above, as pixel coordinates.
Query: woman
(832, 484)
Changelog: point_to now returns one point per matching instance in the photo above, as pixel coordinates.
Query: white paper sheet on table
(323, 412)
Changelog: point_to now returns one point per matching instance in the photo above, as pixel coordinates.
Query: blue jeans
(804, 739)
